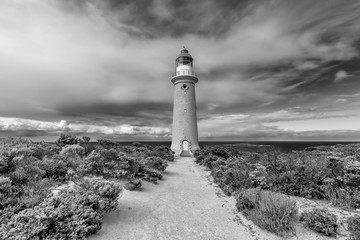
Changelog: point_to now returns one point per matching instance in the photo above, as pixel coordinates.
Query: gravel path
(185, 205)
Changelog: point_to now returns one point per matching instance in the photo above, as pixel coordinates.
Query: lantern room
(184, 63)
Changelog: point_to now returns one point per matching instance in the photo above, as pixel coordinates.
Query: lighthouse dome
(184, 53)
(184, 58)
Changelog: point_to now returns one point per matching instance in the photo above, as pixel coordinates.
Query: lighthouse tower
(184, 130)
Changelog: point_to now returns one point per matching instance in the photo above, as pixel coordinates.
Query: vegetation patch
(331, 173)
(274, 212)
(28, 170)
(320, 220)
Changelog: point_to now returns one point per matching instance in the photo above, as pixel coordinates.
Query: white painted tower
(184, 130)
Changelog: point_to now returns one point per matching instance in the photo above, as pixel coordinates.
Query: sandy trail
(182, 206)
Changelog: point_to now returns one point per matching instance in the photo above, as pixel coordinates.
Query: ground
(182, 206)
(187, 205)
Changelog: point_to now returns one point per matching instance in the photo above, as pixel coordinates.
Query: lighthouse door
(185, 149)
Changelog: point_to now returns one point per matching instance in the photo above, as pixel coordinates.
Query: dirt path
(182, 206)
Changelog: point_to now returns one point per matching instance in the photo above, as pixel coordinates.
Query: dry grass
(274, 212)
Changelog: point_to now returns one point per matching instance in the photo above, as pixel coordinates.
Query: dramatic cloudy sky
(268, 70)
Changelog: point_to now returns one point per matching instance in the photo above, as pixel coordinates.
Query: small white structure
(184, 130)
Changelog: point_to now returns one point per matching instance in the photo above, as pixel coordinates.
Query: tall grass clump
(274, 212)
(343, 196)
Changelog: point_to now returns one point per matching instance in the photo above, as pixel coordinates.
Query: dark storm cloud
(161, 18)
(139, 113)
(137, 109)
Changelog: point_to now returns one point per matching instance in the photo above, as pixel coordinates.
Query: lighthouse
(184, 129)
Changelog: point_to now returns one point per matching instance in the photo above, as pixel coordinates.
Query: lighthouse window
(184, 86)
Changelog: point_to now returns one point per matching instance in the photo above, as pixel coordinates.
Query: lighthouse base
(184, 148)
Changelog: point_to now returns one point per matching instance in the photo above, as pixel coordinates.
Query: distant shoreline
(283, 146)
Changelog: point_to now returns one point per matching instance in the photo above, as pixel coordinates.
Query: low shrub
(164, 152)
(68, 215)
(26, 169)
(74, 150)
(87, 145)
(207, 160)
(149, 174)
(5, 184)
(343, 196)
(155, 163)
(274, 212)
(354, 227)
(55, 167)
(108, 191)
(18, 176)
(232, 174)
(108, 163)
(107, 144)
(92, 164)
(6, 162)
(320, 220)
(67, 139)
(9, 194)
(132, 185)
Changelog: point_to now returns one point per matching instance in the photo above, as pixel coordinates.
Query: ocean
(283, 146)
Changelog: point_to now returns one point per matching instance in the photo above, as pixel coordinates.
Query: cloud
(306, 65)
(297, 121)
(55, 128)
(340, 75)
(106, 65)
(330, 124)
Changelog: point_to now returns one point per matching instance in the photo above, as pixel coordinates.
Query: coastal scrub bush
(108, 191)
(33, 193)
(74, 150)
(9, 198)
(345, 171)
(67, 139)
(163, 152)
(6, 162)
(92, 164)
(54, 167)
(87, 145)
(19, 176)
(68, 215)
(354, 227)
(5, 184)
(217, 151)
(46, 149)
(149, 174)
(112, 163)
(155, 163)
(134, 184)
(298, 174)
(274, 212)
(352, 172)
(26, 169)
(320, 220)
(343, 196)
(233, 176)
(107, 144)
(72, 156)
